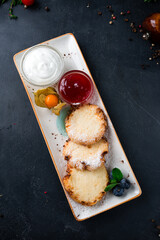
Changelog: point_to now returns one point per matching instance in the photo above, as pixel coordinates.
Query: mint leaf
(117, 174)
(113, 181)
(110, 186)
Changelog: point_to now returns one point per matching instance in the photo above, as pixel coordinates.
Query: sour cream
(42, 65)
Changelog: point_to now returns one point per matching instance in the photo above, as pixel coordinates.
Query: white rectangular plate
(74, 59)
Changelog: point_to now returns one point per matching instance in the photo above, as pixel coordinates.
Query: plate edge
(140, 191)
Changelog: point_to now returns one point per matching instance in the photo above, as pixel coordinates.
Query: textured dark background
(131, 96)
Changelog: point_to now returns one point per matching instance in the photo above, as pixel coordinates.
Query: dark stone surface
(131, 96)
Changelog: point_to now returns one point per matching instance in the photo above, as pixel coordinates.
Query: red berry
(28, 2)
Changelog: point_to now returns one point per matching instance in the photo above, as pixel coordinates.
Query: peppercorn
(47, 9)
(146, 36)
(122, 13)
(134, 30)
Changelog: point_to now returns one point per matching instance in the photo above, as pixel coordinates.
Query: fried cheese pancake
(86, 187)
(86, 125)
(85, 157)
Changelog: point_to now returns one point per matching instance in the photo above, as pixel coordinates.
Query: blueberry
(110, 175)
(125, 183)
(118, 191)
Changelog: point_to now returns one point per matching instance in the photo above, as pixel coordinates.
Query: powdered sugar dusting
(92, 162)
(85, 157)
(86, 125)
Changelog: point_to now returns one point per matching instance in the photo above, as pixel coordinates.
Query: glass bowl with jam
(75, 87)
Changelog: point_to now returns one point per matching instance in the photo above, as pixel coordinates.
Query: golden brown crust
(76, 131)
(76, 189)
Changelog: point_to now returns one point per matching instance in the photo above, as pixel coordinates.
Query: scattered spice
(132, 25)
(99, 13)
(109, 6)
(146, 36)
(134, 30)
(152, 220)
(158, 227)
(47, 9)
(88, 5)
(122, 13)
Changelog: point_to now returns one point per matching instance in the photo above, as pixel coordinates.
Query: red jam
(75, 87)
